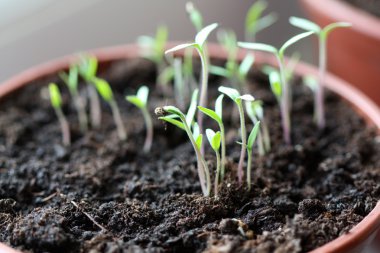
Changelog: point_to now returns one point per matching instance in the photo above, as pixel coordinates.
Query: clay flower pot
(359, 236)
(354, 53)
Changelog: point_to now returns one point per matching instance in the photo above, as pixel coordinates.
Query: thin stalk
(223, 142)
(218, 165)
(82, 116)
(243, 142)
(64, 127)
(265, 132)
(118, 121)
(203, 89)
(95, 112)
(285, 113)
(319, 101)
(203, 171)
(249, 167)
(179, 83)
(149, 130)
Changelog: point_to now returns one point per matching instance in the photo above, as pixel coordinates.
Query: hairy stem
(319, 101)
(66, 139)
(118, 121)
(95, 112)
(284, 105)
(249, 167)
(216, 185)
(243, 142)
(149, 130)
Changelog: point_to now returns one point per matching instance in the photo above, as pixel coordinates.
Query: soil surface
(103, 195)
(371, 6)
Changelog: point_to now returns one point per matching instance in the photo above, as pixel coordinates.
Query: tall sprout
(215, 139)
(285, 98)
(238, 99)
(140, 100)
(56, 102)
(71, 80)
(322, 34)
(250, 142)
(199, 45)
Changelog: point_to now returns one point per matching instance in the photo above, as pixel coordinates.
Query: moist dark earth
(371, 6)
(103, 195)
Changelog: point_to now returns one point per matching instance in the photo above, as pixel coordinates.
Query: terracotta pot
(359, 237)
(353, 53)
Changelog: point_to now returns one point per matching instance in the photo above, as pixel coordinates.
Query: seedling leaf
(275, 84)
(202, 35)
(143, 94)
(214, 139)
(211, 114)
(175, 122)
(219, 71)
(293, 40)
(192, 108)
(253, 15)
(195, 16)
(258, 46)
(103, 88)
(179, 47)
(246, 64)
(230, 92)
(88, 67)
(55, 96)
(305, 24)
(247, 97)
(252, 136)
(333, 26)
(219, 106)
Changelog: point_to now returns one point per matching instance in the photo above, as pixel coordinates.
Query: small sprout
(255, 112)
(140, 100)
(106, 93)
(217, 116)
(250, 142)
(198, 44)
(87, 68)
(71, 80)
(237, 98)
(56, 102)
(195, 16)
(215, 139)
(322, 33)
(286, 93)
(184, 122)
(254, 22)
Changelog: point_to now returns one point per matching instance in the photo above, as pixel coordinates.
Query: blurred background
(32, 32)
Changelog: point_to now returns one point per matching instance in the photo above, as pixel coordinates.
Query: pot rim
(362, 104)
(362, 21)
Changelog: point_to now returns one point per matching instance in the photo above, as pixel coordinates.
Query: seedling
(255, 22)
(285, 97)
(153, 48)
(198, 44)
(214, 139)
(87, 68)
(237, 98)
(71, 80)
(195, 16)
(56, 102)
(106, 93)
(255, 112)
(217, 116)
(185, 122)
(250, 142)
(322, 34)
(140, 100)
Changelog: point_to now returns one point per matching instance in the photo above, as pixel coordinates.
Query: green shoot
(254, 22)
(255, 112)
(198, 44)
(184, 122)
(179, 85)
(71, 80)
(195, 16)
(56, 102)
(322, 33)
(217, 116)
(250, 142)
(215, 139)
(237, 98)
(87, 68)
(286, 93)
(140, 100)
(106, 93)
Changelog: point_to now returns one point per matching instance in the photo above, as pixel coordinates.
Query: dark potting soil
(370, 6)
(103, 195)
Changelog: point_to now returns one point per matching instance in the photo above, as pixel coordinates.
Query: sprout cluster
(179, 70)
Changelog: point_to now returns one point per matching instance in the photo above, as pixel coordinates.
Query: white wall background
(34, 31)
